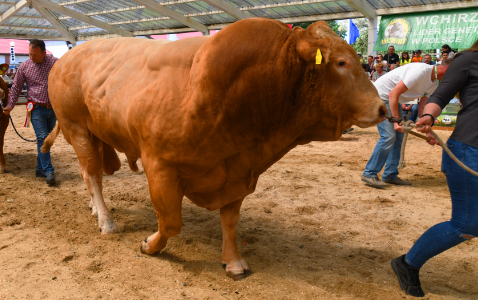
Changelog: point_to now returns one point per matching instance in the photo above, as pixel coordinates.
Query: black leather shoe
(408, 277)
(40, 173)
(50, 178)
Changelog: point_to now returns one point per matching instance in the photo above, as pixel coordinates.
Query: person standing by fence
(35, 73)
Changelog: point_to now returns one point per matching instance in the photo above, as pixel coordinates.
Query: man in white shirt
(400, 86)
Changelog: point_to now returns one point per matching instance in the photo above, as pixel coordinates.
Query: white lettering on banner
(462, 17)
(454, 17)
(414, 41)
(445, 17)
(422, 20)
(434, 22)
(473, 18)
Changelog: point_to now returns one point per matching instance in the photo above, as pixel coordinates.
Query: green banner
(430, 30)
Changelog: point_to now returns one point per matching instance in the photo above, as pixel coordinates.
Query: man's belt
(43, 105)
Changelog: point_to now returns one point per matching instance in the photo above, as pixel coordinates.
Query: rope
(11, 120)
(409, 125)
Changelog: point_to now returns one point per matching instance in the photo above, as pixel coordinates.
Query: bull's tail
(50, 139)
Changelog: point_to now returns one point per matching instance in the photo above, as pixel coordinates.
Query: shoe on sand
(408, 277)
(374, 181)
(50, 178)
(398, 181)
(40, 173)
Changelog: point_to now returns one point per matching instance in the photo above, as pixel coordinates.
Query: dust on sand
(312, 229)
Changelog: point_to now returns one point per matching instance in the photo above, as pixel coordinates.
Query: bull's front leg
(235, 265)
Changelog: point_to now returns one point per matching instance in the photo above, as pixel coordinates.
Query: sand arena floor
(312, 230)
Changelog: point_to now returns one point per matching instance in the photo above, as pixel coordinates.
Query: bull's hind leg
(166, 195)
(88, 150)
(236, 267)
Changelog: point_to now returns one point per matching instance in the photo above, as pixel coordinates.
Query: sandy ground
(311, 230)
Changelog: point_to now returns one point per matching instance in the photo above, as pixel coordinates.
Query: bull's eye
(341, 63)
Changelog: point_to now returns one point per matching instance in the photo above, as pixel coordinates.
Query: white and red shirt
(36, 77)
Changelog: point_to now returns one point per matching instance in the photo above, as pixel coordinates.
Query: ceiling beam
(29, 17)
(428, 7)
(12, 10)
(166, 11)
(82, 17)
(27, 27)
(6, 3)
(228, 8)
(56, 23)
(31, 37)
(74, 2)
(279, 5)
(363, 7)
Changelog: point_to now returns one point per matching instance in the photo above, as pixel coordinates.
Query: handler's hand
(424, 124)
(398, 127)
(7, 110)
(433, 142)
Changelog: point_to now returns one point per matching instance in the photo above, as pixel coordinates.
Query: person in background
(392, 67)
(379, 72)
(364, 67)
(447, 49)
(385, 65)
(462, 77)
(444, 56)
(380, 58)
(405, 58)
(35, 73)
(391, 57)
(417, 56)
(428, 60)
(10, 73)
(370, 64)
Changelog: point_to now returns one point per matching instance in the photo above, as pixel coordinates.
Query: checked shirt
(36, 77)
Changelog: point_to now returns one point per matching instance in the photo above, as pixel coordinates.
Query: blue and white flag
(172, 37)
(353, 32)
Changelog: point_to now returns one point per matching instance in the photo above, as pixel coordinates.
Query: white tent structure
(81, 20)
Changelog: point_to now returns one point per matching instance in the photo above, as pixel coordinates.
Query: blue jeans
(414, 111)
(43, 121)
(463, 225)
(386, 151)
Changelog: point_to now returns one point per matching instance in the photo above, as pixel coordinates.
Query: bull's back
(114, 86)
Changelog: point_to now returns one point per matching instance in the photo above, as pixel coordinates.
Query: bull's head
(338, 89)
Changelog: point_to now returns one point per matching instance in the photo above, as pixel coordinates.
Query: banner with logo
(429, 30)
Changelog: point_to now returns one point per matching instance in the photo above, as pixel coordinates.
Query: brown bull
(3, 119)
(206, 115)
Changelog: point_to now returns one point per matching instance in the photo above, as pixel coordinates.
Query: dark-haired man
(34, 72)
(391, 57)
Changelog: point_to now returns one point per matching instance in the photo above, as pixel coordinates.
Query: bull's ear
(309, 49)
(4, 69)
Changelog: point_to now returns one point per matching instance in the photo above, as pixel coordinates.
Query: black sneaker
(374, 181)
(40, 173)
(408, 277)
(50, 178)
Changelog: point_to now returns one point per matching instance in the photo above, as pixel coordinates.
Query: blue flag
(354, 33)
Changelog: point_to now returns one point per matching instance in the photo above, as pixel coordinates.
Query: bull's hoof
(145, 249)
(239, 276)
(4, 171)
(109, 227)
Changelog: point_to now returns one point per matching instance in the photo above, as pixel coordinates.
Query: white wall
(57, 48)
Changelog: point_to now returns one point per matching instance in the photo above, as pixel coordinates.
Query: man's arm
(393, 96)
(421, 105)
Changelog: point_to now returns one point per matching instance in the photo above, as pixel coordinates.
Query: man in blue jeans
(34, 72)
(400, 86)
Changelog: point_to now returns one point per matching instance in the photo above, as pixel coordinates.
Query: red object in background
(290, 25)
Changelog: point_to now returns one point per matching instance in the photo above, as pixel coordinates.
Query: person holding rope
(403, 85)
(461, 77)
(35, 73)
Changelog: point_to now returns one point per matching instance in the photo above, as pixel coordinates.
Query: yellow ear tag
(318, 58)
(4, 68)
